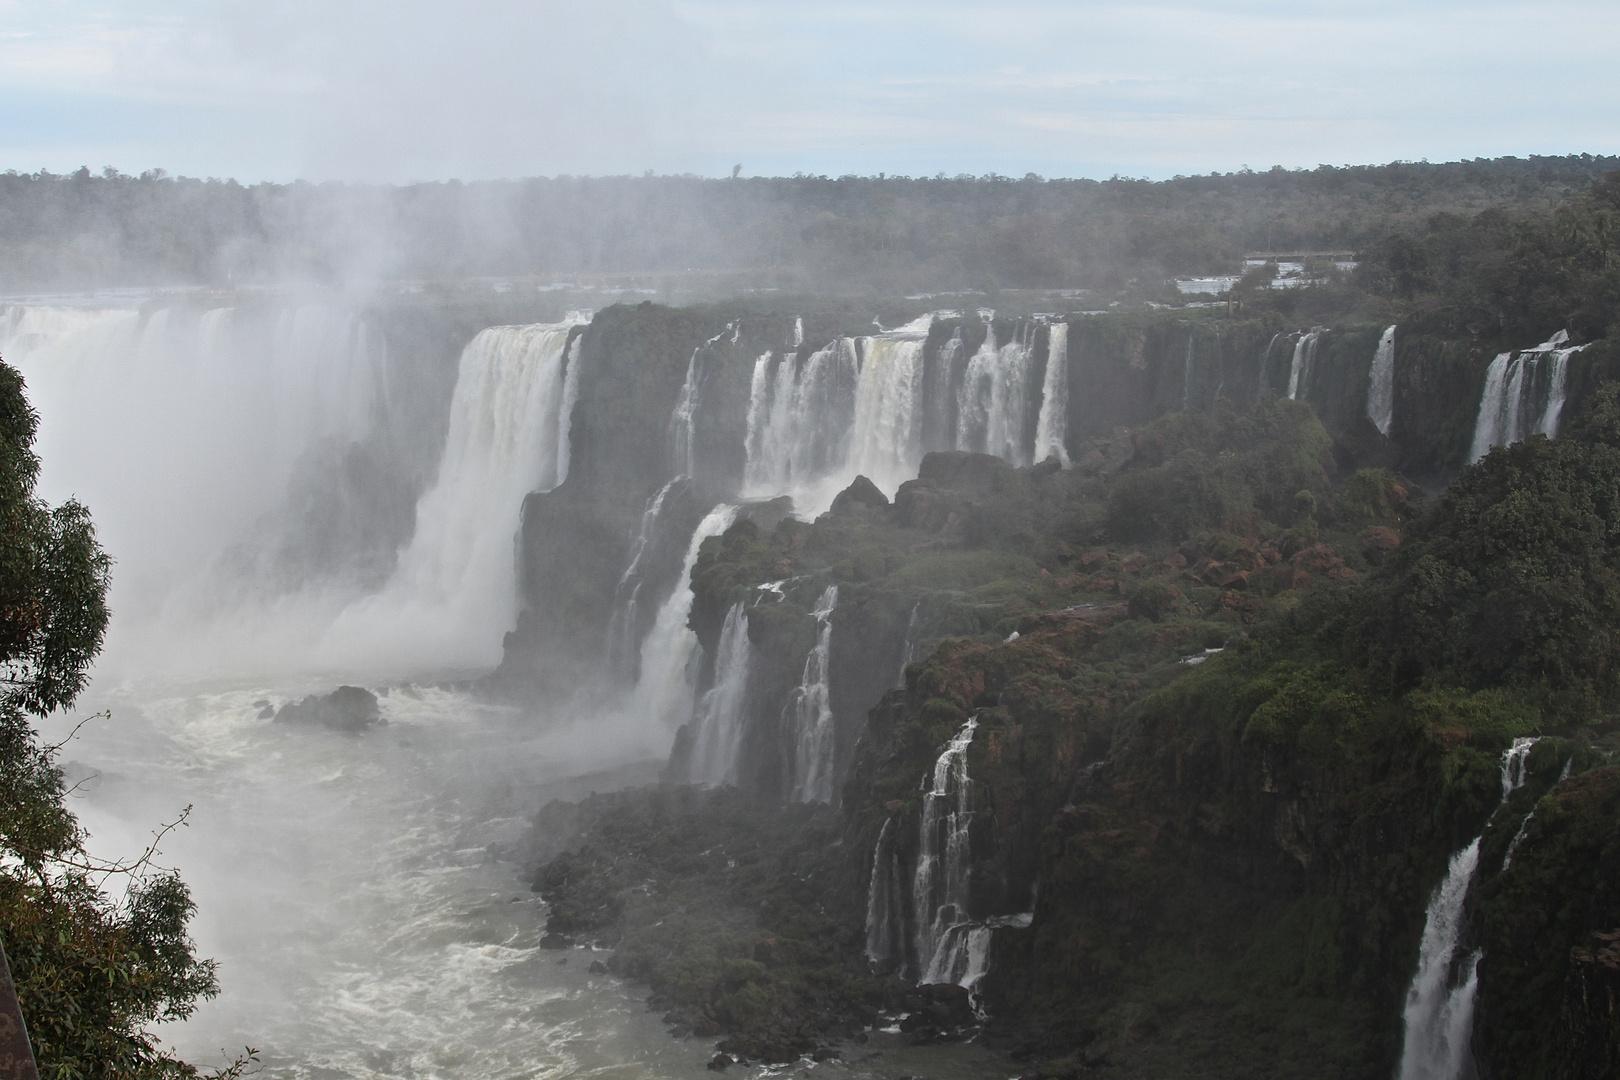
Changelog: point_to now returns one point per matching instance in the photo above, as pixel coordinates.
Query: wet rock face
(862, 495)
(348, 708)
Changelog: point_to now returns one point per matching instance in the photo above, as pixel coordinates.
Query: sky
(409, 90)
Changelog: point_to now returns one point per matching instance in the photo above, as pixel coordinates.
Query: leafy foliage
(91, 972)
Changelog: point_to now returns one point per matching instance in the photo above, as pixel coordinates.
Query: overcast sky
(405, 90)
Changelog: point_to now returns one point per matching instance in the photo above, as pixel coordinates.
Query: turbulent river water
(364, 894)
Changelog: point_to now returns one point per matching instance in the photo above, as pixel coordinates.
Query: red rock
(1175, 562)
(1236, 579)
(1133, 562)
(1094, 558)
(1380, 538)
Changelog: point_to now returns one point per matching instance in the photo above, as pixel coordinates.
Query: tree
(91, 971)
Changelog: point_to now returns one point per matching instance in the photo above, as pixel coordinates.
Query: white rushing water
(666, 683)
(1439, 1014)
(1523, 395)
(624, 624)
(1052, 424)
(717, 724)
(454, 593)
(180, 428)
(853, 407)
(883, 900)
(939, 892)
(811, 709)
(1381, 383)
(993, 399)
(1303, 364)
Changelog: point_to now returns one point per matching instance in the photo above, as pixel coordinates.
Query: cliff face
(1179, 762)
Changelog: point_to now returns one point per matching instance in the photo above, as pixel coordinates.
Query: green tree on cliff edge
(91, 972)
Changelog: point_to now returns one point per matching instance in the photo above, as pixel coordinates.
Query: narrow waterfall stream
(1381, 383)
(811, 709)
(718, 721)
(1439, 1015)
(940, 888)
(1052, 423)
(1303, 364)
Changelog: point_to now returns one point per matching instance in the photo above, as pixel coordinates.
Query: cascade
(1186, 375)
(886, 434)
(851, 407)
(939, 892)
(883, 900)
(718, 719)
(683, 422)
(1524, 395)
(1300, 368)
(811, 709)
(664, 685)
(993, 398)
(454, 591)
(908, 648)
(1439, 1014)
(1052, 425)
(1265, 368)
(1381, 383)
(180, 428)
(624, 627)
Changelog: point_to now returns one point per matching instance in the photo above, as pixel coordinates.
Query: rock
(554, 940)
(1379, 541)
(598, 968)
(721, 1061)
(1234, 579)
(1133, 562)
(348, 708)
(1363, 446)
(862, 495)
(1174, 561)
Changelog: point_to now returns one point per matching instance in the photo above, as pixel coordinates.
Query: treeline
(845, 234)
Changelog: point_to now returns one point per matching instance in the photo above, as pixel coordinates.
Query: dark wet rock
(1363, 446)
(555, 940)
(598, 968)
(721, 1061)
(348, 708)
(860, 497)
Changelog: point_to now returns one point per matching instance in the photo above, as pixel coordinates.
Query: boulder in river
(348, 708)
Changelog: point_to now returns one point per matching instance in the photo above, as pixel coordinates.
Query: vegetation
(845, 234)
(1229, 859)
(91, 971)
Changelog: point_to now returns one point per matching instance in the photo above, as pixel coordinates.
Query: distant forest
(849, 234)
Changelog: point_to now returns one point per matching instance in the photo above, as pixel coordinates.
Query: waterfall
(883, 920)
(1052, 426)
(454, 592)
(993, 398)
(718, 721)
(1186, 375)
(811, 709)
(886, 435)
(683, 422)
(1439, 1014)
(624, 626)
(1524, 395)
(851, 407)
(909, 645)
(1300, 368)
(182, 429)
(1381, 383)
(1265, 368)
(664, 686)
(939, 892)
